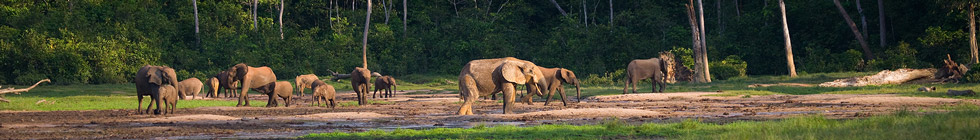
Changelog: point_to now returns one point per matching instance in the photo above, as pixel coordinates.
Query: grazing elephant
(324, 92)
(640, 69)
(148, 80)
(359, 79)
(281, 89)
(189, 87)
(250, 78)
(484, 77)
(554, 78)
(386, 84)
(229, 85)
(170, 96)
(212, 87)
(304, 81)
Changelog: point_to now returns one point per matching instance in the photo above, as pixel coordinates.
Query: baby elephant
(323, 92)
(386, 84)
(189, 87)
(169, 95)
(281, 89)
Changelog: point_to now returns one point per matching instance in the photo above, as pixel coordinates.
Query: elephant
(148, 80)
(640, 69)
(250, 78)
(554, 78)
(170, 97)
(212, 87)
(359, 79)
(484, 77)
(229, 85)
(189, 87)
(386, 84)
(304, 81)
(324, 92)
(281, 89)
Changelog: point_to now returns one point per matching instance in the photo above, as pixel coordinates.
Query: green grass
(93, 97)
(961, 124)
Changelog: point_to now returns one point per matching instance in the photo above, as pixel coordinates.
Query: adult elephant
(484, 77)
(148, 81)
(304, 82)
(554, 79)
(640, 69)
(281, 89)
(250, 78)
(387, 86)
(189, 87)
(359, 79)
(227, 83)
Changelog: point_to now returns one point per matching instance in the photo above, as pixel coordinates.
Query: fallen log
(18, 91)
(960, 93)
(884, 77)
(336, 76)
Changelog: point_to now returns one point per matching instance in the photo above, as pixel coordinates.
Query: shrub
(902, 56)
(732, 66)
(605, 79)
(28, 79)
(972, 75)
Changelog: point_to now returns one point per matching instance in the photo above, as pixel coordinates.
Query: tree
(864, 21)
(701, 74)
(197, 29)
(385, 6)
(789, 46)
(405, 18)
(255, 14)
(559, 8)
(367, 27)
(881, 22)
(282, 7)
(857, 34)
(704, 45)
(610, 13)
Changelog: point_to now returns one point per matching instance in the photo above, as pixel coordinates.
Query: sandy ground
(438, 110)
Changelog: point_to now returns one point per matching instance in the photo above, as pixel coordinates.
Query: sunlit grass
(94, 97)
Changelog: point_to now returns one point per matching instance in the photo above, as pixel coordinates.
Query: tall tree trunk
(973, 36)
(197, 27)
(330, 14)
(864, 21)
(697, 43)
(282, 7)
(255, 14)
(789, 46)
(857, 34)
(385, 6)
(738, 12)
(704, 45)
(559, 8)
(718, 9)
(367, 26)
(405, 18)
(585, 15)
(881, 22)
(610, 13)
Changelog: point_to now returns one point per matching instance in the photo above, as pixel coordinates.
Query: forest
(98, 41)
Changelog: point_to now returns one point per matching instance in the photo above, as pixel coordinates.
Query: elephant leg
(139, 107)
(469, 93)
(509, 94)
(663, 86)
(271, 101)
(561, 91)
(159, 101)
(626, 85)
(634, 85)
(333, 103)
(149, 105)
(653, 86)
(373, 95)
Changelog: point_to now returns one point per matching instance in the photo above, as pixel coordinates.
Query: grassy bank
(93, 97)
(962, 124)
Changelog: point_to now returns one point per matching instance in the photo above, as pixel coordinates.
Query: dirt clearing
(418, 111)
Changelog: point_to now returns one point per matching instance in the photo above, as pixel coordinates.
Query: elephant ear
(566, 76)
(512, 73)
(153, 74)
(240, 70)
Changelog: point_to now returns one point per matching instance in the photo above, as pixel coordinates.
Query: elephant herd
(160, 83)
(483, 77)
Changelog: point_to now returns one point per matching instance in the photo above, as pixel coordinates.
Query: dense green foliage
(96, 41)
(960, 124)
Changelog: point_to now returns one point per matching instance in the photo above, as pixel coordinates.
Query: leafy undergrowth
(961, 124)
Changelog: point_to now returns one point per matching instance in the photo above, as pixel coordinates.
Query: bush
(29, 79)
(972, 75)
(820, 59)
(732, 66)
(902, 56)
(606, 79)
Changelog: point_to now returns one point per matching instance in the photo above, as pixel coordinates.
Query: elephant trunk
(578, 92)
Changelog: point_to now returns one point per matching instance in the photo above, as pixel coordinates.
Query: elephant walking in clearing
(324, 92)
(148, 80)
(189, 87)
(227, 83)
(281, 89)
(170, 96)
(385, 84)
(484, 77)
(359, 79)
(250, 78)
(640, 69)
(305, 81)
(212, 87)
(554, 78)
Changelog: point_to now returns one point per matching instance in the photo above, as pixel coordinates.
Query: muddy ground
(437, 110)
